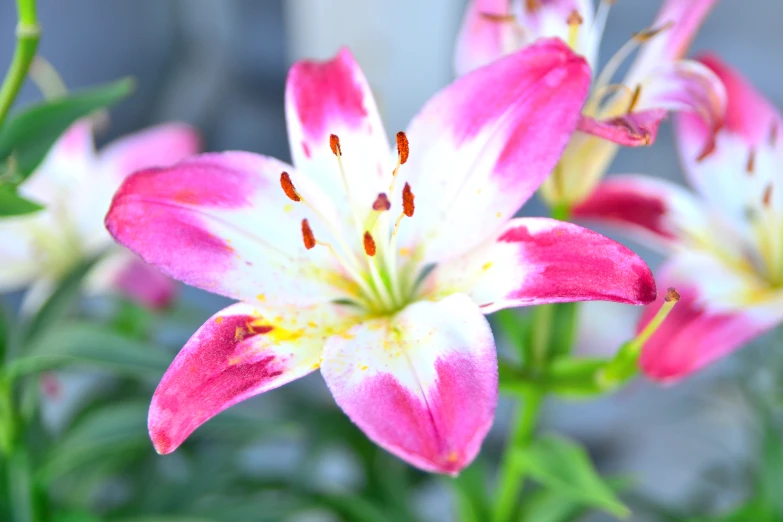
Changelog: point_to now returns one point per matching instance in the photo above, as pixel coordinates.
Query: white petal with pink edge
(747, 155)
(710, 320)
(238, 353)
(663, 213)
(333, 97)
(483, 145)
(421, 384)
(540, 260)
(221, 222)
(122, 272)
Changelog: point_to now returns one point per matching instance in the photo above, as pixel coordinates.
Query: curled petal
(687, 86)
(483, 145)
(701, 328)
(237, 354)
(422, 384)
(636, 129)
(222, 222)
(539, 260)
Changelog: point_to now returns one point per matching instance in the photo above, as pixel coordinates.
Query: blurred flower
(76, 185)
(725, 242)
(335, 268)
(626, 113)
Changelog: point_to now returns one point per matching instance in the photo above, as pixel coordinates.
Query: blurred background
(221, 66)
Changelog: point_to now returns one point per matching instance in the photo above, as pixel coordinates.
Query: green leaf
(472, 496)
(116, 429)
(164, 518)
(563, 466)
(12, 204)
(92, 345)
(548, 505)
(28, 135)
(58, 302)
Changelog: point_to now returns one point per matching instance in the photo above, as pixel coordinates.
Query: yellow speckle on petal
(311, 324)
(453, 456)
(261, 297)
(234, 360)
(315, 366)
(499, 215)
(486, 266)
(405, 252)
(363, 367)
(288, 207)
(219, 320)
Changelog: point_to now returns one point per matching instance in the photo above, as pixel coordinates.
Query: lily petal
(700, 329)
(158, 146)
(333, 97)
(21, 259)
(483, 145)
(540, 260)
(662, 212)
(221, 222)
(238, 353)
(636, 129)
(421, 384)
(492, 29)
(746, 155)
(123, 272)
(679, 20)
(489, 32)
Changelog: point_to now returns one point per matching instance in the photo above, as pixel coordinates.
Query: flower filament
(380, 288)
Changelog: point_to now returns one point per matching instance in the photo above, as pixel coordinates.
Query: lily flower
(376, 266)
(625, 113)
(725, 242)
(76, 184)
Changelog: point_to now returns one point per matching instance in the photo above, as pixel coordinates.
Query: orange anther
(407, 200)
(369, 244)
(334, 144)
(288, 187)
(671, 295)
(402, 147)
(307, 235)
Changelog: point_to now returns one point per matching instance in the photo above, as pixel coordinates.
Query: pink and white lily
(376, 266)
(625, 113)
(76, 184)
(725, 242)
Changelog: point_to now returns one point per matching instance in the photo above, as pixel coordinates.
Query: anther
(766, 199)
(671, 295)
(307, 235)
(381, 203)
(773, 134)
(635, 98)
(532, 5)
(574, 18)
(369, 244)
(402, 147)
(407, 200)
(288, 187)
(750, 165)
(643, 36)
(334, 144)
(493, 17)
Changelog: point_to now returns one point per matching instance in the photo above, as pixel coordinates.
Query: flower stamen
(369, 243)
(750, 165)
(307, 235)
(288, 187)
(574, 21)
(334, 144)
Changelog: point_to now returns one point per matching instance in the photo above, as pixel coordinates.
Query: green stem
(20, 483)
(7, 419)
(511, 475)
(27, 35)
(561, 211)
(543, 315)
